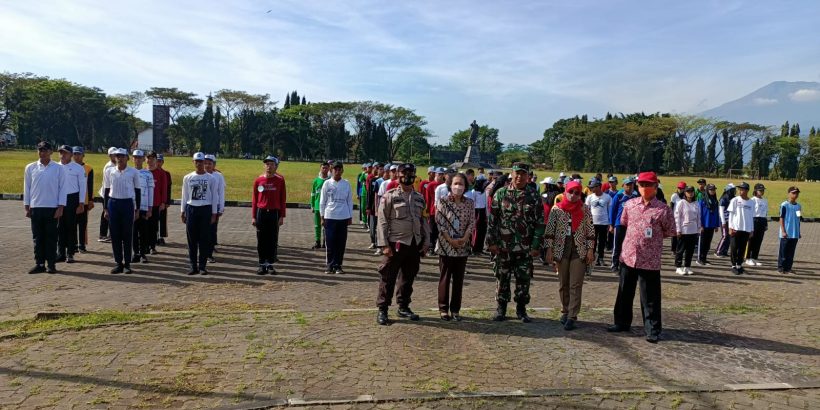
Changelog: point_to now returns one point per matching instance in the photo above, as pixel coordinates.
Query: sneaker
(211, 260)
(37, 269)
(272, 270)
(135, 258)
(329, 271)
(717, 255)
(262, 270)
(51, 269)
(154, 251)
(569, 325)
(378, 252)
(203, 271)
(563, 319)
(103, 239)
(749, 262)
(372, 246)
(316, 246)
(144, 259)
(82, 249)
(735, 270)
(757, 263)
(193, 272)
(161, 241)
(127, 270)
(407, 313)
(688, 271)
(60, 258)
(699, 263)
(613, 269)
(339, 271)
(381, 318)
(680, 271)
(69, 259)
(117, 269)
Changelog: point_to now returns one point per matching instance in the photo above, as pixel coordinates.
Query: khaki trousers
(571, 271)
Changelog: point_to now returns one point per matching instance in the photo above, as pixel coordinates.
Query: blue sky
(515, 65)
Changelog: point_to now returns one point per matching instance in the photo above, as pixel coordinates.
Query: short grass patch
(24, 328)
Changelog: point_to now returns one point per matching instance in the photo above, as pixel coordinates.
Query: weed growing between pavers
(730, 309)
(24, 328)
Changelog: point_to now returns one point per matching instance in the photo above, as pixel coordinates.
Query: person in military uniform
(514, 234)
(403, 236)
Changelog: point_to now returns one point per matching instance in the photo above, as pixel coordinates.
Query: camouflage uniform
(515, 227)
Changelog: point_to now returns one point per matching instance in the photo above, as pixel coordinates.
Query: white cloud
(805, 95)
(764, 101)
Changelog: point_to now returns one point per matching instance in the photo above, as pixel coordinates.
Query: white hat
(210, 157)
(729, 186)
(562, 174)
(138, 153)
(394, 167)
(548, 180)
(112, 151)
(199, 156)
(431, 169)
(122, 151)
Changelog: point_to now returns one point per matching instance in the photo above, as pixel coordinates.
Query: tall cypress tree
(304, 100)
(711, 155)
(207, 136)
(287, 101)
(294, 98)
(700, 155)
(728, 150)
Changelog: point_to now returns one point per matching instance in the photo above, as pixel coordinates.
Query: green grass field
(239, 176)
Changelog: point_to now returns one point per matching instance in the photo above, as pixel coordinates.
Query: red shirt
(605, 186)
(646, 226)
(394, 183)
(430, 197)
(160, 187)
(269, 193)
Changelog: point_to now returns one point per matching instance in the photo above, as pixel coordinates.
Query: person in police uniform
(403, 236)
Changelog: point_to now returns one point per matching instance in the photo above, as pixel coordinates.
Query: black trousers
(336, 241)
(480, 230)
(372, 222)
(406, 259)
(617, 245)
(723, 244)
(737, 247)
(163, 222)
(674, 244)
(153, 227)
(198, 230)
(785, 259)
(650, 284)
(452, 269)
(433, 232)
(103, 225)
(267, 235)
(82, 228)
(686, 248)
(601, 232)
(705, 243)
(213, 237)
(761, 225)
(609, 239)
(121, 223)
(44, 233)
(67, 226)
(142, 230)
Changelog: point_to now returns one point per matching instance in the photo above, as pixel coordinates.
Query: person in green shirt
(361, 192)
(315, 194)
(700, 193)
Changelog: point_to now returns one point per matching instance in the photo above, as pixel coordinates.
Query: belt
(267, 210)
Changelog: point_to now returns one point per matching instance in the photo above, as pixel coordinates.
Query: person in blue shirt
(615, 226)
(710, 218)
(791, 213)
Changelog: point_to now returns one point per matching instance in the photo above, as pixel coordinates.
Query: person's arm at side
(538, 231)
(82, 180)
(678, 216)
(214, 194)
(27, 191)
(493, 229)
(90, 189)
(184, 201)
(62, 197)
(668, 224)
(283, 201)
(323, 199)
(382, 228)
(254, 202)
(350, 203)
(784, 234)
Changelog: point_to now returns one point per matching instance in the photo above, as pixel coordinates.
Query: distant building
(8, 139)
(145, 139)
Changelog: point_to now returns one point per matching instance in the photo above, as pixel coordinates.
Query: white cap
(394, 167)
(548, 180)
(210, 157)
(138, 153)
(112, 151)
(122, 151)
(199, 156)
(562, 174)
(431, 169)
(729, 186)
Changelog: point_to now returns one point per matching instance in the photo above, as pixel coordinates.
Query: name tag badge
(647, 233)
(260, 188)
(798, 213)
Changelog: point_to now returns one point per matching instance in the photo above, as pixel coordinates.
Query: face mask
(408, 179)
(457, 189)
(647, 192)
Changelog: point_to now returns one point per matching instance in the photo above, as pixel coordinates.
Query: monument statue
(472, 158)
(473, 133)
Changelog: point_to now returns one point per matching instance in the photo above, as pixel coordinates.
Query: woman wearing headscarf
(570, 248)
(710, 218)
(455, 217)
(688, 224)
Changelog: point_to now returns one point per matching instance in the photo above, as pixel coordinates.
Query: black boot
(500, 312)
(521, 313)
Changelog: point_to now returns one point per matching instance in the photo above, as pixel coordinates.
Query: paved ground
(237, 339)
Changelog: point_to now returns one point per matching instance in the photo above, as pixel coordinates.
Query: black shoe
(736, 271)
(329, 271)
(456, 316)
(60, 258)
(144, 259)
(381, 318)
(127, 270)
(160, 241)
(613, 269)
(117, 269)
(563, 319)
(316, 246)
(599, 262)
(37, 269)
(444, 316)
(154, 251)
(135, 259)
(521, 313)
(211, 260)
(203, 271)
(193, 272)
(500, 312)
(69, 259)
(82, 249)
(407, 313)
(262, 270)
(570, 325)
(339, 271)
(275, 259)
(272, 270)
(652, 338)
(51, 269)
(617, 328)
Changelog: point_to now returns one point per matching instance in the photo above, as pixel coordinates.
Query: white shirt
(741, 213)
(219, 187)
(122, 184)
(146, 189)
(382, 189)
(479, 198)
(198, 190)
(75, 179)
(44, 185)
(108, 164)
(336, 200)
(761, 207)
(675, 198)
(441, 191)
(599, 207)
(687, 217)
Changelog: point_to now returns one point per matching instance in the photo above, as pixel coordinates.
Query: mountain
(774, 104)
